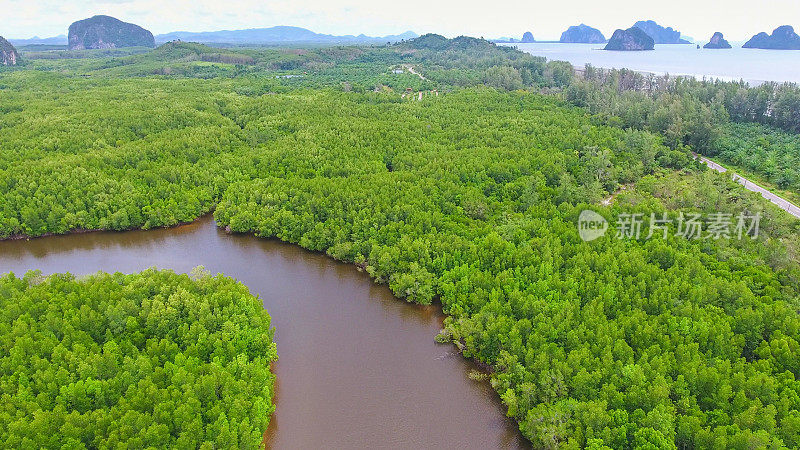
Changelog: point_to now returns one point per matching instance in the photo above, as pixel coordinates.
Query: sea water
(751, 65)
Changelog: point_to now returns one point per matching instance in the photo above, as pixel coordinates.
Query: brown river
(357, 367)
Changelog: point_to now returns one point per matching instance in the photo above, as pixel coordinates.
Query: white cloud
(738, 19)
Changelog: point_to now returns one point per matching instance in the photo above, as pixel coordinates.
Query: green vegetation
(447, 64)
(469, 198)
(771, 153)
(618, 342)
(86, 154)
(153, 360)
(113, 152)
(626, 94)
(739, 124)
(668, 106)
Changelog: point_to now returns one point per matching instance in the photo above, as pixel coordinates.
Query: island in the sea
(527, 38)
(107, 32)
(582, 34)
(660, 34)
(783, 38)
(717, 42)
(8, 54)
(632, 39)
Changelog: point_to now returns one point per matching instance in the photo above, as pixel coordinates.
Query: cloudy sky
(737, 19)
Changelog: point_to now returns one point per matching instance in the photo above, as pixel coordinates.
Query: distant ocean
(751, 65)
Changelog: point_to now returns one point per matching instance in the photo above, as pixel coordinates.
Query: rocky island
(783, 38)
(632, 39)
(8, 54)
(717, 42)
(660, 34)
(582, 34)
(107, 32)
(527, 38)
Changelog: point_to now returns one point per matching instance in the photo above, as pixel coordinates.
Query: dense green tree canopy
(153, 360)
(469, 196)
(623, 343)
(771, 153)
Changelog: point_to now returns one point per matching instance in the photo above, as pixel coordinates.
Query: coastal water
(752, 65)
(357, 367)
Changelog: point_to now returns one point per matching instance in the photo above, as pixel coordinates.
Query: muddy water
(357, 368)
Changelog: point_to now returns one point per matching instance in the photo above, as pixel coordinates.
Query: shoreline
(581, 70)
(681, 70)
(25, 237)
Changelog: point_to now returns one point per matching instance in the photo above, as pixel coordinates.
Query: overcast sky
(737, 19)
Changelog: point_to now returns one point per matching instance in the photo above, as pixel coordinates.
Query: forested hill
(467, 192)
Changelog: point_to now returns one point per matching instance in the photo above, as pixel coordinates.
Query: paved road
(411, 69)
(782, 203)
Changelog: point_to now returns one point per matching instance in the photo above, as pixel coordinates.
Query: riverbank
(273, 434)
(25, 237)
(358, 368)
